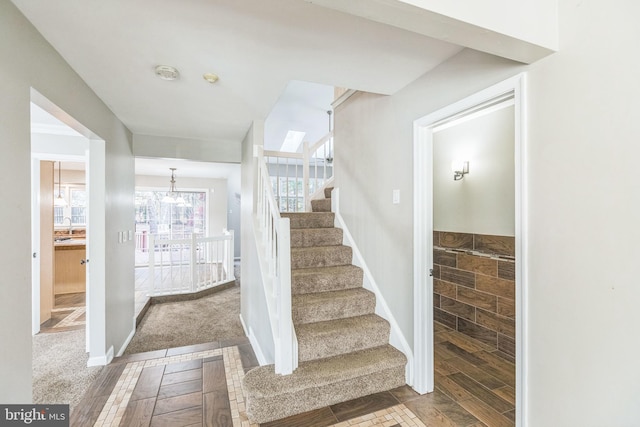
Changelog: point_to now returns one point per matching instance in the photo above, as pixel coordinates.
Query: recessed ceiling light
(167, 72)
(210, 77)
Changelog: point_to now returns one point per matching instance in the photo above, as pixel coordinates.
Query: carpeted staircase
(343, 347)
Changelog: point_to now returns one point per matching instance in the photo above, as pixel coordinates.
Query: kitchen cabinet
(70, 270)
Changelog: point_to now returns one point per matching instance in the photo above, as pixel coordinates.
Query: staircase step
(309, 219)
(321, 205)
(327, 192)
(320, 256)
(322, 306)
(333, 337)
(322, 383)
(323, 279)
(306, 237)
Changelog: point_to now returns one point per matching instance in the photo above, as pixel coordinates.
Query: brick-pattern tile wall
(474, 286)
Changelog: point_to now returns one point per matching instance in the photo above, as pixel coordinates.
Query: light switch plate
(396, 197)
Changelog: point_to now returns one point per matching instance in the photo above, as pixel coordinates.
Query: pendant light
(172, 195)
(60, 201)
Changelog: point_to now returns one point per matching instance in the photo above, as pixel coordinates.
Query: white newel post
(285, 325)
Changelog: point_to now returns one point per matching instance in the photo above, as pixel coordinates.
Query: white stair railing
(297, 178)
(180, 266)
(275, 263)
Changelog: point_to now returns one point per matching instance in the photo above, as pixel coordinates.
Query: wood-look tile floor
(200, 386)
(68, 313)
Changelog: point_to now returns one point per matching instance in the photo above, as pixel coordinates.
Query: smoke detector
(167, 72)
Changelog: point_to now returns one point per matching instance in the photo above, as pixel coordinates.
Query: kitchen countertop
(70, 244)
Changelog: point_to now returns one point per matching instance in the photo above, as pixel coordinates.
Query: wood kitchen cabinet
(70, 272)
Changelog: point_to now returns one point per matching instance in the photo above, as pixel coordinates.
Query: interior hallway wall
(28, 61)
(581, 214)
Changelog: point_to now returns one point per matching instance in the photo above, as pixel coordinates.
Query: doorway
(426, 236)
(72, 142)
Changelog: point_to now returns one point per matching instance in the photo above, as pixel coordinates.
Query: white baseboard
(128, 340)
(254, 344)
(396, 338)
(101, 360)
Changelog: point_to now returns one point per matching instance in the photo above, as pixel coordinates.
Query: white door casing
(423, 233)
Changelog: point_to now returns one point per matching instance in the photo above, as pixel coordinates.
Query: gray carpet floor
(60, 372)
(212, 318)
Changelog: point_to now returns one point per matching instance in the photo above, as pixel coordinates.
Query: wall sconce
(460, 168)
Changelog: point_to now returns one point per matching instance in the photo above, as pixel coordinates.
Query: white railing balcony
(298, 178)
(179, 266)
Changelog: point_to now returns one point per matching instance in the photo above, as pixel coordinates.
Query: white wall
(254, 313)
(483, 201)
(184, 148)
(535, 21)
(28, 61)
(582, 209)
(216, 190)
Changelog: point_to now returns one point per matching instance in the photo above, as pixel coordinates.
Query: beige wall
(483, 202)
(582, 209)
(28, 61)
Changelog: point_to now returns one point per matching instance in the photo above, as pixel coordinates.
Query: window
(171, 220)
(289, 192)
(76, 209)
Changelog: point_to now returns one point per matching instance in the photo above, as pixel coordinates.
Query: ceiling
(256, 47)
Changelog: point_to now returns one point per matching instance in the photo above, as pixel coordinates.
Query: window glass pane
(58, 215)
(78, 206)
(178, 220)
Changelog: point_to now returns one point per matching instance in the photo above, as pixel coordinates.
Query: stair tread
(365, 323)
(323, 306)
(336, 269)
(325, 279)
(323, 297)
(263, 382)
(309, 237)
(310, 219)
(320, 256)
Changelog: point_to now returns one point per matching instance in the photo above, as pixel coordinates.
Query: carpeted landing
(343, 346)
(215, 317)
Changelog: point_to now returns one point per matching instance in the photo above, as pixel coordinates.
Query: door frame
(95, 157)
(423, 233)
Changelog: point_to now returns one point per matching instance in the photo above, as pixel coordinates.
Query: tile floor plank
(445, 405)
(479, 374)
(363, 405)
(176, 403)
(319, 418)
(180, 389)
(138, 413)
(216, 409)
(451, 388)
(148, 383)
(185, 417)
(182, 376)
(482, 393)
(183, 366)
(213, 376)
(507, 393)
(486, 413)
(404, 393)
